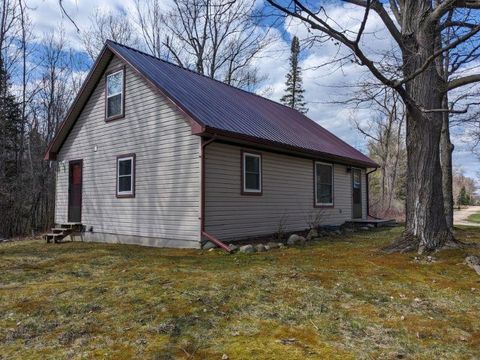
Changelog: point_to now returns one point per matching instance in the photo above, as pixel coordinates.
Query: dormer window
(114, 93)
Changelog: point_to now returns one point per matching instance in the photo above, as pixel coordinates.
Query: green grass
(474, 218)
(338, 298)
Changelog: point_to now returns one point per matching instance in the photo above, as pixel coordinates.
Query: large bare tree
(104, 26)
(416, 27)
(219, 39)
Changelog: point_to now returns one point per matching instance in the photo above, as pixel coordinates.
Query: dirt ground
(460, 216)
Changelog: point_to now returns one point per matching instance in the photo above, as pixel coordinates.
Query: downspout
(211, 238)
(368, 196)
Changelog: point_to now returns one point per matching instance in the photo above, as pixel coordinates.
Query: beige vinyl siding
(167, 167)
(287, 194)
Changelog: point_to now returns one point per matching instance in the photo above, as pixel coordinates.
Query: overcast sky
(324, 85)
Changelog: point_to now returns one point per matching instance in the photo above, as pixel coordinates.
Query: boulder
(272, 245)
(209, 245)
(233, 247)
(313, 233)
(247, 249)
(293, 239)
(260, 248)
(301, 240)
(474, 262)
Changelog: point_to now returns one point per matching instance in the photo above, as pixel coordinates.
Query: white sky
(323, 85)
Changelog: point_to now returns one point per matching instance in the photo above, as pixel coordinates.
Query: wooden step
(60, 231)
(53, 236)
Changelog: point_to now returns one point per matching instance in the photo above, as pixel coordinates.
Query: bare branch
(466, 80)
(387, 20)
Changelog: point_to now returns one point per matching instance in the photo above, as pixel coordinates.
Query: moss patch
(338, 298)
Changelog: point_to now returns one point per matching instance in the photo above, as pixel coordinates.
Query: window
(323, 184)
(114, 95)
(126, 175)
(251, 173)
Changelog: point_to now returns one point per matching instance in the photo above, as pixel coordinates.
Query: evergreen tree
(294, 90)
(10, 184)
(463, 197)
(10, 121)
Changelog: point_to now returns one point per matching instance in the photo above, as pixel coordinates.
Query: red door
(75, 191)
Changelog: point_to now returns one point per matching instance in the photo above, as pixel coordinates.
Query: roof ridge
(203, 75)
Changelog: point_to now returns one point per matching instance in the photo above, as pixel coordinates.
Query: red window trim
(122, 115)
(242, 185)
(119, 157)
(319, 206)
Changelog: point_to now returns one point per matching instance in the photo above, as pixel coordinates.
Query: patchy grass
(338, 298)
(474, 218)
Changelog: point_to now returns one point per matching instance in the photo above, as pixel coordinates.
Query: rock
(272, 245)
(247, 249)
(281, 246)
(364, 228)
(293, 239)
(338, 232)
(474, 262)
(313, 233)
(209, 245)
(260, 248)
(224, 357)
(233, 247)
(301, 241)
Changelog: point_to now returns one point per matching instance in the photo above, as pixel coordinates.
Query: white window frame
(244, 173)
(121, 93)
(130, 192)
(316, 184)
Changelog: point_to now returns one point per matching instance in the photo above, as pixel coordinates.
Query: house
(154, 154)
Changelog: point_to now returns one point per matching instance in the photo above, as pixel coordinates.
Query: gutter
(368, 196)
(210, 237)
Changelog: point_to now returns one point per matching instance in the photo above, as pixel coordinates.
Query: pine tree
(10, 119)
(463, 197)
(294, 90)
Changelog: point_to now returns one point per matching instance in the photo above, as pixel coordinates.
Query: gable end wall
(165, 210)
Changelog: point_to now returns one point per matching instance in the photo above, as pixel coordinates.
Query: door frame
(70, 163)
(361, 196)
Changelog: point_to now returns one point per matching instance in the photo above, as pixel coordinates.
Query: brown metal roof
(217, 108)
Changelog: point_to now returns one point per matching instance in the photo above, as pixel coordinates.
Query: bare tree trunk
(446, 150)
(426, 226)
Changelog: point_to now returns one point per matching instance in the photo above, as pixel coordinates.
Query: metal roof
(216, 107)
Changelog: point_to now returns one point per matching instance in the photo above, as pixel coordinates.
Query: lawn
(338, 298)
(474, 218)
